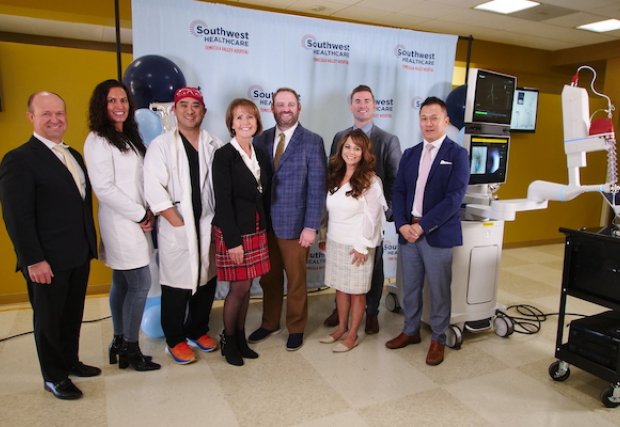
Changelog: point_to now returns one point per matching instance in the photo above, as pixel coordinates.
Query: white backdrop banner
(231, 52)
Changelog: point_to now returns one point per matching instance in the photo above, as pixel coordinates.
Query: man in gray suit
(386, 148)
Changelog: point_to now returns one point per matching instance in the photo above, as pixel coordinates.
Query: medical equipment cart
(591, 273)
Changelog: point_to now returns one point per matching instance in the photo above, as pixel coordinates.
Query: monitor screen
(488, 157)
(489, 97)
(524, 110)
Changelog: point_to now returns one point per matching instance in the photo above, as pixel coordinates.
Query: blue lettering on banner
(327, 51)
(415, 60)
(220, 38)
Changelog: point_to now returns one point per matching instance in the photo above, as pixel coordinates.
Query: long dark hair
(99, 122)
(365, 170)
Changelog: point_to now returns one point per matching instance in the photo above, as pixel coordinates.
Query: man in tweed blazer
(295, 204)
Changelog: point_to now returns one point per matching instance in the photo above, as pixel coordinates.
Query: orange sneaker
(181, 353)
(205, 343)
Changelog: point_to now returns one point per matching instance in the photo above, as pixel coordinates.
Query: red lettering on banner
(227, 49)
(331, 60)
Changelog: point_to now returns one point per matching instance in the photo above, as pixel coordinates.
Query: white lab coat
(117, 181)
(167, 184)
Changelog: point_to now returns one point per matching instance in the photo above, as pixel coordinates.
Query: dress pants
(373, 297)
(57, 316)
(184, 315)
(419, 259)
(290, 256)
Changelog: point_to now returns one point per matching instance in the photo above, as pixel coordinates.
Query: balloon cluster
(152, 79)
(455, 101)
(151, 318)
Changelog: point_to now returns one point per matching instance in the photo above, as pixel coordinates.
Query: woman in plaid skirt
(240, 177)
(355, 206)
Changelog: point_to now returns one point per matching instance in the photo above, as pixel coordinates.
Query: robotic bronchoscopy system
(488, 109)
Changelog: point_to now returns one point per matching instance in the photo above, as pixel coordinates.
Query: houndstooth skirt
(340, 274)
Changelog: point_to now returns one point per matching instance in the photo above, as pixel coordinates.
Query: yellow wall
(73, 73)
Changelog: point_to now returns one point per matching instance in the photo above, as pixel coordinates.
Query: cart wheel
(559, 371)
(608, 399)
(454, 337)
(391, 303)
(503, 326)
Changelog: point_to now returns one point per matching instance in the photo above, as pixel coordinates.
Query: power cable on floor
(30, 332)
(529, 320)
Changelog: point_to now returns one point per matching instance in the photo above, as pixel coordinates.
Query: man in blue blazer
(47, 208)
(386, 148)
(295, 205)
(429, 189)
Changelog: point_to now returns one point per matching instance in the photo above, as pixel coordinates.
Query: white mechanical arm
(582, 135)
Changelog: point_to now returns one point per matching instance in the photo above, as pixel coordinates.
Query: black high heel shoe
(230, 349)
(245, 351)
(131, 355)
(115, 348)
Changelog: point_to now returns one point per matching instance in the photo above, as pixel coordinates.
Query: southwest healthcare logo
(384, 108)
(415, 60)
(326, 51)
(220, 38)
(416, 101)
(260, 97)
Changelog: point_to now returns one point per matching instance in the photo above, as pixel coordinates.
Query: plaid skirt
(255, 256)
(340, 274)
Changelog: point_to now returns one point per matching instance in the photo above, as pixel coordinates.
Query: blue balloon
(151, 322)
(455, 101)
(152, 301)
(149, 124)
(153, 78)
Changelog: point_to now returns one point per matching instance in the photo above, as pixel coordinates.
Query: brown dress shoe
(332, 319)
(372, 324)
(403, 340)
(435, 353)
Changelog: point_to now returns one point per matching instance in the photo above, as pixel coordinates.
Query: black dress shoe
(64, 389)
(82, 370)
(372, 324)
(260, 334)
(295, 341)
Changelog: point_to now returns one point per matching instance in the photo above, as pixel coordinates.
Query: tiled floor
(490, 381)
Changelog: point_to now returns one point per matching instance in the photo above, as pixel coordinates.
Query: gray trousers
(420, 260)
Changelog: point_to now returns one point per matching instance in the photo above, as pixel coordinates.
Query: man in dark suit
(47, 208)
(296, 202)
(429, 189)
(386, 148)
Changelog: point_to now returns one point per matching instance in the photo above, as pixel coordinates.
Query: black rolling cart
(591, 273)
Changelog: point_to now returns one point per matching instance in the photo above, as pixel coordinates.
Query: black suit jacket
(44, 213)
(237, 198)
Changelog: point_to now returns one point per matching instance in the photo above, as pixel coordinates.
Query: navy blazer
(44, 213)
(443, 195)
(386, 148)
(298, 185)
(237, 197)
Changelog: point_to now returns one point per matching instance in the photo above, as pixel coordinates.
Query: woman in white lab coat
(114, 153)
(178, 187)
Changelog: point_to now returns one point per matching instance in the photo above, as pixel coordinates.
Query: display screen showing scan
(524, 110)
(493, 99)
(488, 159)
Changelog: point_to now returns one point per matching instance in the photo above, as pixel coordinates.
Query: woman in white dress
(355, 206)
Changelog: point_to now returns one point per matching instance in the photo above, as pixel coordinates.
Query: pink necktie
(425, 167)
